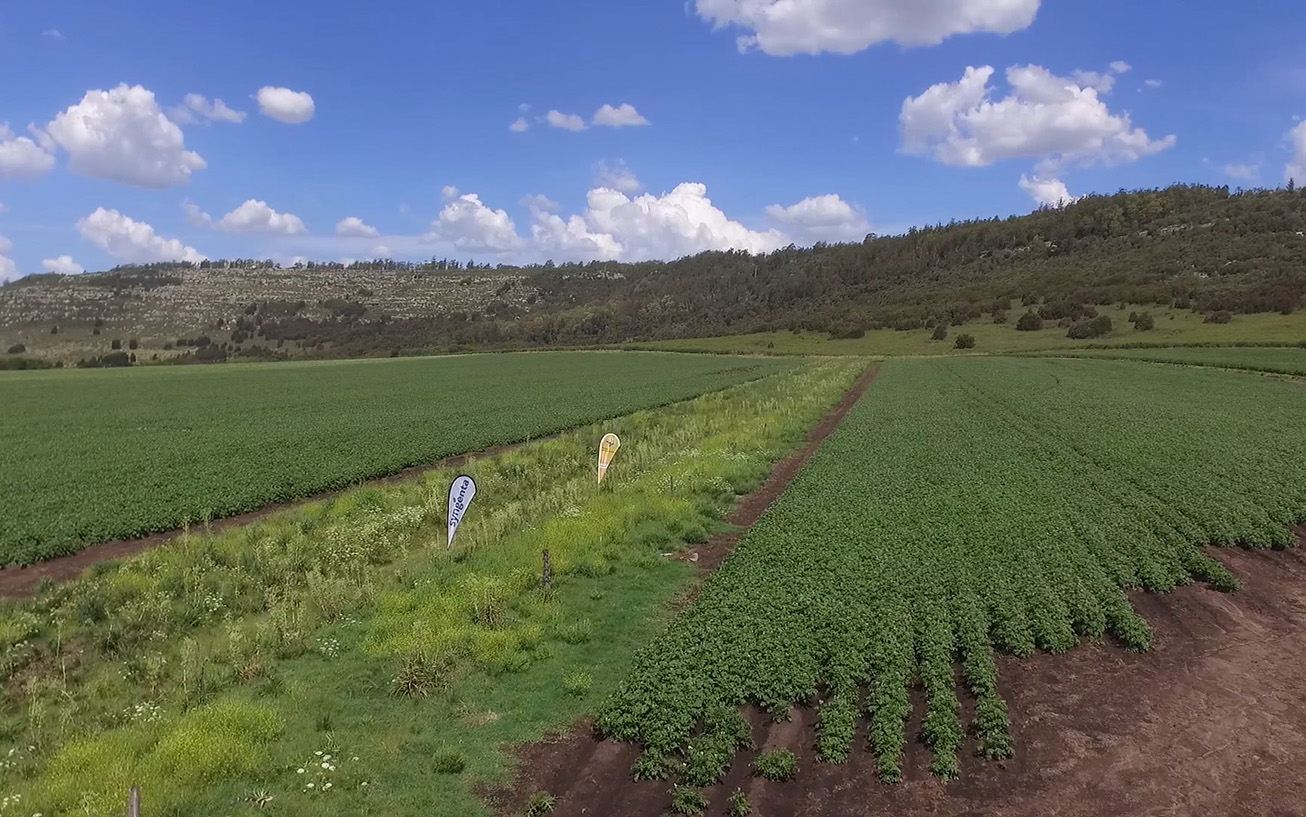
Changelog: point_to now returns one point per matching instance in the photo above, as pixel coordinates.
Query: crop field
(93, 455)
(966, 505)
(336, 659)
(1277, 360)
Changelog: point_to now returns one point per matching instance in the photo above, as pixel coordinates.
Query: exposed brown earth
(1212, 721)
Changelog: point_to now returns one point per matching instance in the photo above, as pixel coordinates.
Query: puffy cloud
(541, 203)
(787, 27)
(1153, 83)
(1296, 169)
(121, 135)
(449, 192)
(1121, 67)
(125, 239)
(196, 216)
(63, 265)
(8, 269)
(1050, 192)
(285, 105)
(616, 176)
(624, 116)
(519, 125)
(821, 218)
(21, 157)
(196, 106)
(1242, 172)
(354, 227)
(380, 251)
(255, 216)
(468, 224)
(1045, 116)
(566, 121)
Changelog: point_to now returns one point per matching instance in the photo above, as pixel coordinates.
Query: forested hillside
(1192, 247)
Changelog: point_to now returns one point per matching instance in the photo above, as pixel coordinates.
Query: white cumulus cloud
(285, 105)
(449, 192)
(566, 121)
(519, 125)
(1121, 67)
(1051, 118)
(1050, 192)
(63, 265)
(125, 239)
(787, 27)
(21, 157)
(1242, 172)
(1296, 169)
(8, 269)
(355, 228)
(195, 107)
(623, 116)
(616, 176)
(1153, 83)
(255, 216)
(821, 218)
(121, 135)
(468, 224)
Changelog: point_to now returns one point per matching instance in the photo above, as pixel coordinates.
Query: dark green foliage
(448, 763)
(1145, 322)
(964, 341)
(17, 349)
(685, 800)
(940, 332)
(776, 764)
(737, 805)
(1095, 328)
(1029, 322)
(1221, 316)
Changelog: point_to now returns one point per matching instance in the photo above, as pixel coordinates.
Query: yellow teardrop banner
(607, 450)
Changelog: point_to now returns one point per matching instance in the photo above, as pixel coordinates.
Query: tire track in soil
(1211, 721)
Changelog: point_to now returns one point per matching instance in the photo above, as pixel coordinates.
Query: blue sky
(818, 120)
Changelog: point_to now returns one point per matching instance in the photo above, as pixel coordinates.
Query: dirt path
(1212, 721)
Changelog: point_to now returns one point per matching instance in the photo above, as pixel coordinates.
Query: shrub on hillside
(17, 349)
(940, 331)
(1029, 322)
(964, 342)
(1223, 316)
(1145, 322)
(1095, 328)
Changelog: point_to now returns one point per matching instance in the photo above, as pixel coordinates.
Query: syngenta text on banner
(460, 496)
(607, 450)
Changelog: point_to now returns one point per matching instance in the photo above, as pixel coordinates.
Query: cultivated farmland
(966, 505)
(102, 454)
(1276, 360)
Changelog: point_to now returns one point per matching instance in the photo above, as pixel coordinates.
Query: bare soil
(1212, 721)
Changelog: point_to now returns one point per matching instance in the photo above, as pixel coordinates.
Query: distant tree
(1029, 322)
(1222, 316)
(964, 342)
(999, 317)
(940, 331)
(54, 330)
(1145, 322)
(1095, 328)
(17, 349)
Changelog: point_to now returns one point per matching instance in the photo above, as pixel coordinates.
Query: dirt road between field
(1211, 722)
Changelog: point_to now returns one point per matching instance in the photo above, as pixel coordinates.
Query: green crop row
(968, 505)
(105, 454)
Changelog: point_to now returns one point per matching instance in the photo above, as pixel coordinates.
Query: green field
(966, 504)
(1290, 360)
(1173, 326)
(104, 454)
(342, 632)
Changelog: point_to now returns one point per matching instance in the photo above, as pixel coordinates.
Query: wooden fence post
(547, 576)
